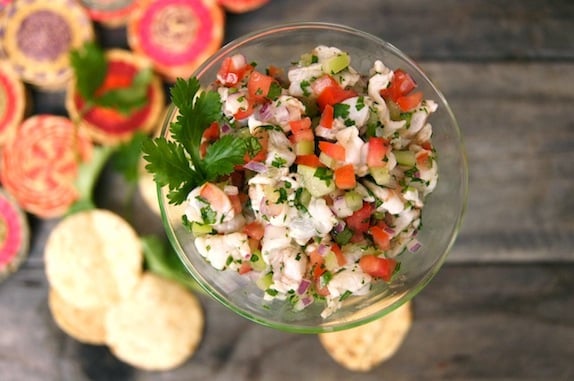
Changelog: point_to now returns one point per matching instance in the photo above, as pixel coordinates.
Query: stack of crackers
(100, 294)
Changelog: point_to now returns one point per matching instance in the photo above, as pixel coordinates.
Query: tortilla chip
(158, 328)
(93, 259)
(364, 347)
(84, 325)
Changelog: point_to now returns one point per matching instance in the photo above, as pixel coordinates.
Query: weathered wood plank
(519, 132)
(491, 322)
(439, 30)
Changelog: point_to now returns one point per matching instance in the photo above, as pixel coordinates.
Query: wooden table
(502, 308)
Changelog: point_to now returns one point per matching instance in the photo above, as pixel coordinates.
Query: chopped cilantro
(305, 87)
(324, 174)
(341, 110)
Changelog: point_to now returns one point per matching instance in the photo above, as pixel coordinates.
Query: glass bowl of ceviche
(310, 176)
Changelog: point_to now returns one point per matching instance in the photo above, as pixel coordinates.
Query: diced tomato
(381, 238)
(258, 85)
(333, 95)
(245, 267)
(211, 132)
(327, 117)
(232, 70)
(300, 125)
(317, 263)
(410, 101)
(309, 160)
(243, 113)
(423, 158)
(345, 177)
(254, 230)
(378, 267)
(377, 151)
(360, 220)
(274, 71)
(334, 150)
(341, 260)
(401, 84)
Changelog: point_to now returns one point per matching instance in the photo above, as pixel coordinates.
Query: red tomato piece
(378, 267)
(309, 160)
(333, 95)
(410, 102)
(327, 117)
(300, 125)
(258, 85)
(345, 177)
(334, 150)
(377, 151)
(341, 260)
(317, 263)
(212, 132)
(381, 238)
(244, 113)
(360, 220)
(254, 230)
(244, 268)
(233, 69)
(401, 84)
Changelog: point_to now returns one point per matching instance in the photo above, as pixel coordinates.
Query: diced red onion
(307, 300)
(323, 250)
(303, 286)
(389, 230)
(340, 227)
(255, 166)
(225, 129)
(414, 246)
(265, 112)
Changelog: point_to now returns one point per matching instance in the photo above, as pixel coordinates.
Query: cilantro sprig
(177, 163)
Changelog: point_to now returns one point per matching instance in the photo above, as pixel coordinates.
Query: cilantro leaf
(177, 163)
(171, 167)
(196, 113)
(90, 68)
(223, 155)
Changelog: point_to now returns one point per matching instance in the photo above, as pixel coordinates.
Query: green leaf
(223, 155)
(170, 166)
(90, 69)
(128, 99)
(160, 260)
(196, 113)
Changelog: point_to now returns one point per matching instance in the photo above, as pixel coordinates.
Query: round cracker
(84, 325)
(364, 347)
(158, 327)
(93, 258)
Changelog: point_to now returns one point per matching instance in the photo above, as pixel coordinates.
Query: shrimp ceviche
(309, 180)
